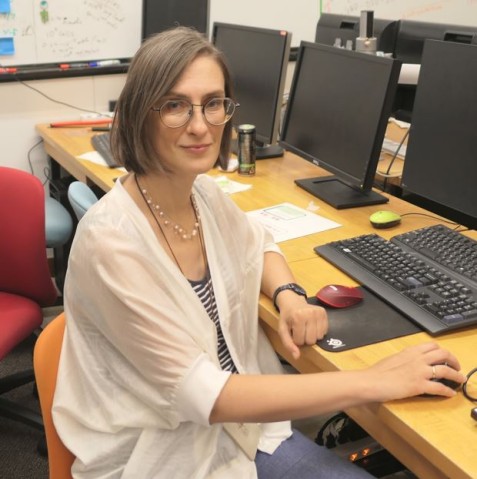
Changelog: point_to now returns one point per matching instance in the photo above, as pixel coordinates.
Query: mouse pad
(370, 321)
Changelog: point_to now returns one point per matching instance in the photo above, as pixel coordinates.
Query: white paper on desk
(95, 157)
(286, 221)
(229, 186)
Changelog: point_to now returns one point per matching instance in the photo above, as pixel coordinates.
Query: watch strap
(296, 288)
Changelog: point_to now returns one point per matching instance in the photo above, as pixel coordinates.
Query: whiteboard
(296, 16)
(57, 31)
(458, 12)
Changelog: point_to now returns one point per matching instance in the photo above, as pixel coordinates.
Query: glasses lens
(471, 385)
(175, 113)
(219, 110)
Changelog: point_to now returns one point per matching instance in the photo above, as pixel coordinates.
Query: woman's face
(193, 148)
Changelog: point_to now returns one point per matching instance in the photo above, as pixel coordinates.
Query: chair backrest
(23, 262)
(59, 224)
(81, 198)
(46, 357)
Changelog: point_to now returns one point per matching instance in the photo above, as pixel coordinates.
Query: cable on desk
(387, 175)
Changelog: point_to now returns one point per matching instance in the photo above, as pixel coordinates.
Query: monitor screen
(337, 114)
(158, 16)
(258, 60)
(441, 157)
(408, 49)
(334, 29)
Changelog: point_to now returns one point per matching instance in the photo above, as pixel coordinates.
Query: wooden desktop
(433, 437)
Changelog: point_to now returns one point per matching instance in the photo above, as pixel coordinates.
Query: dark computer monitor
(337, 114)
(258, 60)
(160, 15)
(441, 160)
(412, 35)
(332, 26)
(408, 49)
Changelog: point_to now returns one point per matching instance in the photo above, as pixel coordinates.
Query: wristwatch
(292, 287)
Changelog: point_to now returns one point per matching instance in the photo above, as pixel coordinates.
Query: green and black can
(246, 150)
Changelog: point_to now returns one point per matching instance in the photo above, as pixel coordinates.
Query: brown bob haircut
(154, 70)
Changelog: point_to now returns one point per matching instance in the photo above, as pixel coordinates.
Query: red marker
(8, 70)
(64, 66)
(81, 123)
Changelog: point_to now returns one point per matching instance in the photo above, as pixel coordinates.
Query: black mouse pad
(370, 321)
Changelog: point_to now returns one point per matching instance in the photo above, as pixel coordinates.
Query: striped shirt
(205, 291)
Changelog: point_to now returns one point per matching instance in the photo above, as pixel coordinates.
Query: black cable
(464, 386)
(29, 153)
(394, 158)
(56, 101)
(457, 225)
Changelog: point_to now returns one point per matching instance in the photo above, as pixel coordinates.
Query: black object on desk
(428, 274)
(368, 322)
(101, 144)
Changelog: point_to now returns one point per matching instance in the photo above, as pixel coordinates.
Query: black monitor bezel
(271, 137)
(359, 190)
(412, 35)
(418, 187)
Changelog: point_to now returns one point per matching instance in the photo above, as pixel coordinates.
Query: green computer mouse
(384, 219)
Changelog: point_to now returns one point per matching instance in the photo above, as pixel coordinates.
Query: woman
(164, 369)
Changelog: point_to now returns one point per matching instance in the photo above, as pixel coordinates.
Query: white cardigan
(139, 372)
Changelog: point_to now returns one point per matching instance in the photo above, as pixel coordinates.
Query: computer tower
(159, 15)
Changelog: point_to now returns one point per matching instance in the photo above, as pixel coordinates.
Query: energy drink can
(246, 150)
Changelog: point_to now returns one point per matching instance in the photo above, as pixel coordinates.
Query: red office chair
(25, 282)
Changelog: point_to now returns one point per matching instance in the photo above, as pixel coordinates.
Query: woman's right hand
(414, 371)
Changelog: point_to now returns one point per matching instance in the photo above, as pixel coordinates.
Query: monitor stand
(262, 152)
(338, 194)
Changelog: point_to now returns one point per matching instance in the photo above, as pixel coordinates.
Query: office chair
(81, 197)
(46, 357)
(25, 282)
(58, 231)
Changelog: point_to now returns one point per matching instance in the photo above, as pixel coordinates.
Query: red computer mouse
(339, 296)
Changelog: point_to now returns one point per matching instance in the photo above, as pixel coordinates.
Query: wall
(22, 108)
(459, 12)
(297, 16)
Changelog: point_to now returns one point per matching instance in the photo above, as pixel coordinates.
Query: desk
(434, 438)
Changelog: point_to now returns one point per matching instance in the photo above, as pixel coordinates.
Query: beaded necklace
(158, 213)
(154, 211)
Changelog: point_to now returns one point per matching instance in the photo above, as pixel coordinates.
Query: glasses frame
(202, 106)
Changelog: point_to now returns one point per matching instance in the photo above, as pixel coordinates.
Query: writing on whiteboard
(459, 12)
(71, 30)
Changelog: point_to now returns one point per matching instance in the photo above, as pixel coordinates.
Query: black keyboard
(429, 274)
(101, 143)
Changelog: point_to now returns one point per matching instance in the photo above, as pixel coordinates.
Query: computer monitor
(258, 60)
(332, 27)
(161, 15)
(408, 49)
(412, 35)
(337, 114)
(440, 170)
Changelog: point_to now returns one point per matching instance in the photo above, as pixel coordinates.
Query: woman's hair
(154, 70)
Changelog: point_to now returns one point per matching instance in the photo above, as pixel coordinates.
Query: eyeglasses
(216, 111)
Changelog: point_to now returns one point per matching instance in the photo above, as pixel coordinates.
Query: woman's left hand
(301, 324)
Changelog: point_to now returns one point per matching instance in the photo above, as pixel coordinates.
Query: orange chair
(46, 356)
